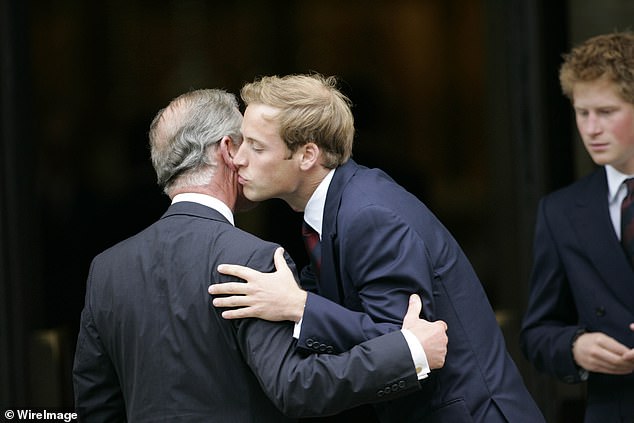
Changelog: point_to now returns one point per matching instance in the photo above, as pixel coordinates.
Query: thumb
(279, 260)
(413, 310)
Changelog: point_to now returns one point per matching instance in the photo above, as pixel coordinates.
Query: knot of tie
(627, 220)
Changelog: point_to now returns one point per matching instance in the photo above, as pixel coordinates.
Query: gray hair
(182, 135)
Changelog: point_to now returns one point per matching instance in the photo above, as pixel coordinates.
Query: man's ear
(228, 150)
(311, 155)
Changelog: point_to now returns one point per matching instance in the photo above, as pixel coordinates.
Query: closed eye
(254, 145)
(606, 112)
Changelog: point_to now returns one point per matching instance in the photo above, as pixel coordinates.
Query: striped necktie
(627, 220)
(313, 246)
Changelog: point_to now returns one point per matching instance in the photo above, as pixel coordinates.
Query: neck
(300, 197)
(207, 190)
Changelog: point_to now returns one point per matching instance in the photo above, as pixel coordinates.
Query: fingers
(435, 344)
(239, 313)
(629, 357)
(247, 273)
(600, 353)
(235, 301)
(236, 270)
(228, 288)
(611, 346)
(613, 368)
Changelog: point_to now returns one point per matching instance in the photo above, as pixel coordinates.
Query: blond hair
(312, 109)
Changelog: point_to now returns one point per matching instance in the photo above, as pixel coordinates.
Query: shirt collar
(314, 210)
(206, 200)
(615, 182)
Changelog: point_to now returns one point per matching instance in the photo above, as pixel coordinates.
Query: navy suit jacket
(379, 245)
(581, 280)
(152, 348)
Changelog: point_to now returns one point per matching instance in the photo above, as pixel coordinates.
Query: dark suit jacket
(152, 348)
(379, 245)
(581, 279)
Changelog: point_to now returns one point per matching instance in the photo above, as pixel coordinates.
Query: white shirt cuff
(297, 328)
(418, 354)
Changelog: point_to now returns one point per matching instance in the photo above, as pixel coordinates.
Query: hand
(270, 296)
(431, 335)
(599, 353)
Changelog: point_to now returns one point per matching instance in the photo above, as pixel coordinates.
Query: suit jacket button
(380, 393)
(600, 311)
(309, 342)
(401, 384)
(330, 349)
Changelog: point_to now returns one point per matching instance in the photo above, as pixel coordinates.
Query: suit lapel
(592, 224)
(330, 285)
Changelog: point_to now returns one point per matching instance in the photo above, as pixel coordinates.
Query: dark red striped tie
(313, 246)
(627, 220)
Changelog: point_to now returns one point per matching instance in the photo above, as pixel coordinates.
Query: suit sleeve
(550, 322)
(98, 397)
(303, 385)
(314, 385)
(392, 265)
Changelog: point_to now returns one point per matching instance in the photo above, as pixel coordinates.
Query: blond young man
(379, 244)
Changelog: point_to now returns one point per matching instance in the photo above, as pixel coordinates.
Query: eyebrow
(252, 141)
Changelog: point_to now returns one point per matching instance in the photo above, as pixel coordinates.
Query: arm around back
(303, 386)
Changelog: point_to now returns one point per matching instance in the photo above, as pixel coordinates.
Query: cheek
(623, 131)
(269, 176)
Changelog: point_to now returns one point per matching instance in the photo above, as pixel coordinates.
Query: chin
(250, 195)
(601, 159)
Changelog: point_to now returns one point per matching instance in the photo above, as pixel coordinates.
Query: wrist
(583, 373)
(573, 342)
(297, 306)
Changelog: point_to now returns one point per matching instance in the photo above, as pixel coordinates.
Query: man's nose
(239, 159)
(592, 125)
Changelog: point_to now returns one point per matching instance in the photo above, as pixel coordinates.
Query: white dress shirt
(616, 193)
